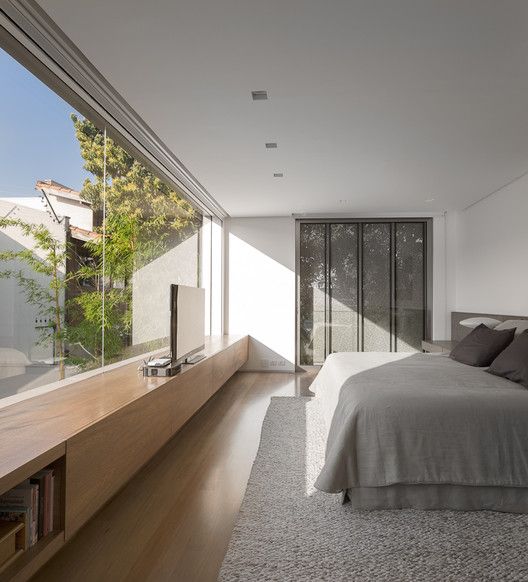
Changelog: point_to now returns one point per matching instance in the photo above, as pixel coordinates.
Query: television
(187, 322)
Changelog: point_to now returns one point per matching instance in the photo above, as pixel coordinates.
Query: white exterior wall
(79, 214)
(18, 318)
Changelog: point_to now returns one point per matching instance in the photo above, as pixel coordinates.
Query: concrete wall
(151, 290)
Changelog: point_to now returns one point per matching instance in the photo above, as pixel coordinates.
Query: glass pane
(44, 226)
(376, 287)
(312, 293)
(151, 240)
(409, 286)
(343, 287)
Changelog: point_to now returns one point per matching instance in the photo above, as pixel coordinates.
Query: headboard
(459, 331)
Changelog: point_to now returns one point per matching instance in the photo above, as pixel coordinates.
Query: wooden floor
(173, 521)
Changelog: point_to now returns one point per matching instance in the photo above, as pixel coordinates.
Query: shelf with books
(32, 516)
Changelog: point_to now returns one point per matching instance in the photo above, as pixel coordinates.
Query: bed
(422, 431)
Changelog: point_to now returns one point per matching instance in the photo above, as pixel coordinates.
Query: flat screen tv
(187, 333)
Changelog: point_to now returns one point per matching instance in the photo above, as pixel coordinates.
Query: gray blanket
(420, 419)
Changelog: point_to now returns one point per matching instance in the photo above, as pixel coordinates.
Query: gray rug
(288, 531)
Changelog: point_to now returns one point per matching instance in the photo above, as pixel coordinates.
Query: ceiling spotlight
(271, 145)
(278, 175)
(259, 95)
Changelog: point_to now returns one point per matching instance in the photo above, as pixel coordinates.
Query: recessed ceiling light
(259, 95)
(271, 145)
(278, 175)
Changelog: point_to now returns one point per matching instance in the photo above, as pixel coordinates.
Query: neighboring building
(64, 201)
(70, 219)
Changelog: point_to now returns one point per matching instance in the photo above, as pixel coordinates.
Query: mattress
(402, 420)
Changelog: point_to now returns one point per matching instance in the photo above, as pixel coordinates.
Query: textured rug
(289, 531)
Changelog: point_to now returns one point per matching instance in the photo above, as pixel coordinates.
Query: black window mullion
(328, 315)
(393, 333)
(360, 330)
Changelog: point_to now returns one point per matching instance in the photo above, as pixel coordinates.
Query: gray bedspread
(420, 419)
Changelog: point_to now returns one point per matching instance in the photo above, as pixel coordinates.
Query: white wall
(491, 258)
(260, 290)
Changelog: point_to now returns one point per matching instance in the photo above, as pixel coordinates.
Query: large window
(90, 240)
(362, 287)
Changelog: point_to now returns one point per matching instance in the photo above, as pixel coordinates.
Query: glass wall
(376, 315)
(410, 285)
(362, 287)
(312, 292)
(343, 291)
(90, 240)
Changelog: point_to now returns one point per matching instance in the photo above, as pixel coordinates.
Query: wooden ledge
(34, 432)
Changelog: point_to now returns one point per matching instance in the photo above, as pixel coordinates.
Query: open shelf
(24, 563)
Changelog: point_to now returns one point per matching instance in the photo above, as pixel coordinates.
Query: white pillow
(474, 322)
(519, 324)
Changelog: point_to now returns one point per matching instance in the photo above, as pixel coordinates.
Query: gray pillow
(512, 363)
(474, 322)
(482, 346)
(519, 324)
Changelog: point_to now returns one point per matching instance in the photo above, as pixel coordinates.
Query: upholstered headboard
(459, 331)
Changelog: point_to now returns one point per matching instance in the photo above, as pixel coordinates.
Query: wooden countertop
(38, 428)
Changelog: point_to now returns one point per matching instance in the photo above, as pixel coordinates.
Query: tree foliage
(144, 218)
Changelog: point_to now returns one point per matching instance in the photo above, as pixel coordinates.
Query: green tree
(144, 218)
(46, 257)
(159, 215)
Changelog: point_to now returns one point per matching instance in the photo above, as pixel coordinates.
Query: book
(51, 505)
(21, 495)
(40, 480)
(45, 480)
(34, 512)
(25, 499)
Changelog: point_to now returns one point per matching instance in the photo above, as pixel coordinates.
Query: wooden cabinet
(99, 432)
(104, 456)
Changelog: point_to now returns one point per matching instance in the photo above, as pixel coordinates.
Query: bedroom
(348, 183)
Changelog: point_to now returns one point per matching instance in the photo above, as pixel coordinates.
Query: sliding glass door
(362, 286)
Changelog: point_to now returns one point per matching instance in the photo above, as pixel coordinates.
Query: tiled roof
(59, 189)
(83, 234)
(52, 185)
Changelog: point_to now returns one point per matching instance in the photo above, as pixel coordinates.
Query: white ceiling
(383, 104)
